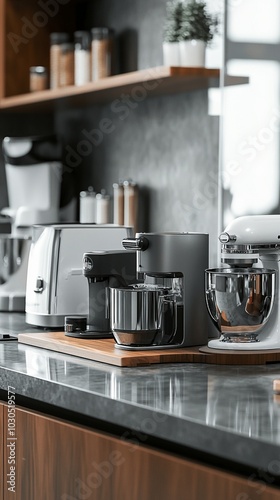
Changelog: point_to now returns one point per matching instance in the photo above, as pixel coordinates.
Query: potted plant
(172, 33)
(198, 28)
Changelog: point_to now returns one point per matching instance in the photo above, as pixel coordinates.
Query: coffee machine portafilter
(175, 262)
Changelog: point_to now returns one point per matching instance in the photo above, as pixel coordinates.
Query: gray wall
(168, 144)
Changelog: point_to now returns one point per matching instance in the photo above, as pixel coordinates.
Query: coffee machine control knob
(39, 285)
(140, 243)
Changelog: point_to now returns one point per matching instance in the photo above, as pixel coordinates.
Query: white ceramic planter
(192, 53)
(171, 54)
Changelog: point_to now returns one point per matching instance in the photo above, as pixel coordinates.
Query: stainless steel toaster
(55, 285)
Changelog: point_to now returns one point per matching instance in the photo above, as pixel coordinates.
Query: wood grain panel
(155, 81)
(61, 461)
(26, 34)
(105, 351)
(2, 46)
(1, 451)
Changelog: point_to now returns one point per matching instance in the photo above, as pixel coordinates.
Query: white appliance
(243, 298)
(33, 175)
(56, 286)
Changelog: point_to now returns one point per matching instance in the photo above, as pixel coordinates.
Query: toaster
(56, 286)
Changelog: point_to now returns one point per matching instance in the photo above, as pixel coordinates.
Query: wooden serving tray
(104, 350)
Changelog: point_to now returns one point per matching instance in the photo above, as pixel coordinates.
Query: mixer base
(243, 346)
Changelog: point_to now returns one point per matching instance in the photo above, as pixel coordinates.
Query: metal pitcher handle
(164, 323)
(211, 305)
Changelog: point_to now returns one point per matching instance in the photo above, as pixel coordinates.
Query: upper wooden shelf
(139, 84)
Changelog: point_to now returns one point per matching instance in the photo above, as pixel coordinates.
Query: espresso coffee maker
(168, 308)
(243, 298)
(102, 269)
(33, 175)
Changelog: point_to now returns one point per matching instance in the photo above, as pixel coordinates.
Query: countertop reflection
(225, 408)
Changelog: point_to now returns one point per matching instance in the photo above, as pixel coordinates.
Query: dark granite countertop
(227, 412)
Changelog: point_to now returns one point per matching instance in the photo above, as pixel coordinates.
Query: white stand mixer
(33, 174)
(243, 299)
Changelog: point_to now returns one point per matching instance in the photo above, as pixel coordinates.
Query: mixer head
(245, 238)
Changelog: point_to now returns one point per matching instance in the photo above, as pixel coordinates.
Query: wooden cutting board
(105, 351)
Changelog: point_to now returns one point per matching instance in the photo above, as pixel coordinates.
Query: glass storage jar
(101, 52)
(56, 41)
(67, 64)
(82, 57)
(38, 78)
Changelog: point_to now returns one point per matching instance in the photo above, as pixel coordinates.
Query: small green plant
(196, 23)
(173, 25)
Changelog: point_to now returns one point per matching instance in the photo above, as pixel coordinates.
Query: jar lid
(118, 185)
(129, 183)
(102, 196)
(58, 38)
(82, 40)
(101, 33)
(89, 192)
(84, 194)
(67, 47)
(39, 70)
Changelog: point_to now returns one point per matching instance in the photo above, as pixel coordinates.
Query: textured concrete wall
(168, 144)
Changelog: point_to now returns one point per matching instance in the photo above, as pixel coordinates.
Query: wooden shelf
(138, 84)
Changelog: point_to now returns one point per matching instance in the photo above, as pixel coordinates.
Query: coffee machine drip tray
(89, 334)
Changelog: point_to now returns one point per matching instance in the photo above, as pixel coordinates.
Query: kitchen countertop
(227, 413)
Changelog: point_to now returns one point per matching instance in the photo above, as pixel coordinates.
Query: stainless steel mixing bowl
(139, 313)
(239, 301)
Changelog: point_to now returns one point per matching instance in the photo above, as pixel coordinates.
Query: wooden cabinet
(1, 451)
(24, 38)
(57, 460)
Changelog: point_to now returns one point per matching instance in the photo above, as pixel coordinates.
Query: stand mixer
(243, 299)
(33, 175)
